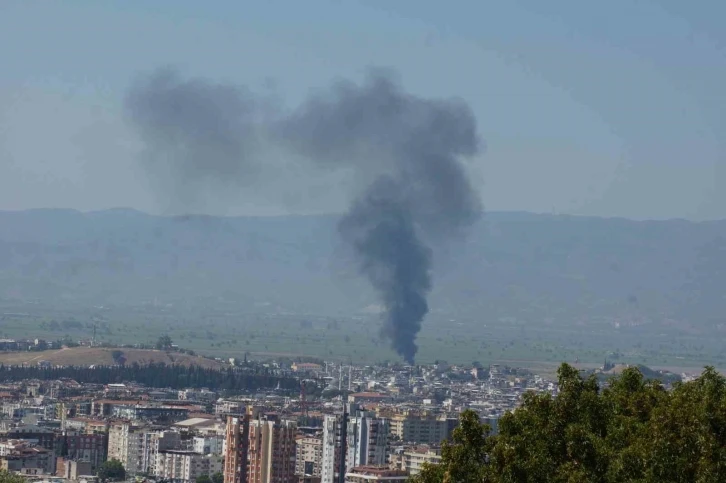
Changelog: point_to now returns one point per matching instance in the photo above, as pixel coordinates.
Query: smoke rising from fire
(405, 150)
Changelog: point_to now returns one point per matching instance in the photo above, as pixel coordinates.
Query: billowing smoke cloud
(200, 137)
(382, 230)
(406, 151)
(411, 146)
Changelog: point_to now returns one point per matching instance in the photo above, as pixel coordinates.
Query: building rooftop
(194, 422)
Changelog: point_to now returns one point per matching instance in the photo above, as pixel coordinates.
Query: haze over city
(606, 110)
(382, 241)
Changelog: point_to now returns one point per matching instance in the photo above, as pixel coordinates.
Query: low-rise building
(414, 459)
(34, 458)
(370, 474)
(73, 469)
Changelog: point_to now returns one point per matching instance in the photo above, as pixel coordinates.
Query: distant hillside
(540, 268)
(88, 356)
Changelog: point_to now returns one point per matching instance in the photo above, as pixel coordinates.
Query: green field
(356, 339)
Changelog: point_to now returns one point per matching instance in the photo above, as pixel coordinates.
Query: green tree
(464, 457)
(217, 478)
(118, 356)
(203, 479)
(7, 477)
(111, 470)
(632, 431)
(164, 342)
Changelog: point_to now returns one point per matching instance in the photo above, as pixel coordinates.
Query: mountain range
(540, 268)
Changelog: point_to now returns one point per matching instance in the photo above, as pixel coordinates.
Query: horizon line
(121, 209)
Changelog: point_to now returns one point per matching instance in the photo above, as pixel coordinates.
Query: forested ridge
(633, 430)
(158, 375)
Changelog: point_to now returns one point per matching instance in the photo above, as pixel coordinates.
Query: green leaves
(8, 477)
(632, 431)
(111, 470)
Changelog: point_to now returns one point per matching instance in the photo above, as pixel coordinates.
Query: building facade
(185, 466)
(331, 448)
(236, 448)
(372, 474)
(271, 450)
(125, 443)
(413, 460)
(308, 456)
(422, 429)
(259, 449)
(367, 440)
(88, 448)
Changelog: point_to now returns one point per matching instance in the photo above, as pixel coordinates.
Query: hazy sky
(601, 108)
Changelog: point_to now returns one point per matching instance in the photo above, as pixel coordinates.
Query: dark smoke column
(380, 228)
(410, 147)
(205, 139)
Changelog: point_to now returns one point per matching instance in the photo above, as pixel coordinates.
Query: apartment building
(154, 442)
(36, 458)
(414, 459)
(125, 443)
(88, 448)
(421, 428)
(366, 442)
(373, 474)
(236, 448)
(271, 450)
(185, 466)
(259, 449)
(208, 444)
(331, 448)
(308, 456)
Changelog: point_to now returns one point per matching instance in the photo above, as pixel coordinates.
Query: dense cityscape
(394, 418)
(362, 242)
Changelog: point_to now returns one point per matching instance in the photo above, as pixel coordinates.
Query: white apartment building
(414, 459)
(367, 440)
(125, 443)
(367, 443)
(208, 445)
(154, 442)
(185, 466)
(308, 456)
(331, 448)
(136, 446)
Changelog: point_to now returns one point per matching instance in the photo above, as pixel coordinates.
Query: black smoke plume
(410, 148)
(381, 229)
(405, 150)
(200, 137)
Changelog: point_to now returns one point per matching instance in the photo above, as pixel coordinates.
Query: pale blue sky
(601, 108)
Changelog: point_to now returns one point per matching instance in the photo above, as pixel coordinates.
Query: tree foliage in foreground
(8, 477)
(214, 478)
(632, 431)
(111, 470)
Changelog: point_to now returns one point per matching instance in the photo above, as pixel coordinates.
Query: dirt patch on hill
(88, 356)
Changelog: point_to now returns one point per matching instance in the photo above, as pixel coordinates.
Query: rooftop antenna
(303, 399)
